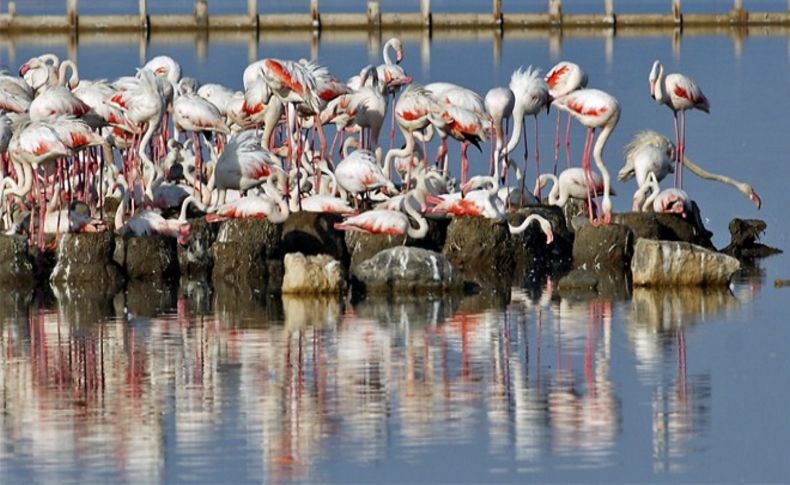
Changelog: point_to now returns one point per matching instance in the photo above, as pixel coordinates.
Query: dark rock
(610, 284)
(147, 258)
(688, 229)
(362, 246)
(671, 263)
(578, 279)
(246, 254)
(312, 233)
(16, 265)
(407, 270)
(195, 258)
(148, 298)
(744, 236)
(87, 259)
(606, 247)
(481, 249)
(575, 213)
(533, 257)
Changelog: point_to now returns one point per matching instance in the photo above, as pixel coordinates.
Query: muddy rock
(362, 246)
(87, 259)
(669, 263)
(481, 249)
(147, 258)
(313, 233)
(575, 213)
(320, 274)
(533, 257)
(606, 247)
(16, 265)
(407, 270)
(687, 229)
(195, 258)
(744, 236)
(246, 254)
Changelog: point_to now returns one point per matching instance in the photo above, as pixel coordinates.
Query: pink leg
(556, 144)
(682, 154)
(678, 148)
(526, 157)
(588, 181)
(464, 163)
(537, 157)
(568, 141)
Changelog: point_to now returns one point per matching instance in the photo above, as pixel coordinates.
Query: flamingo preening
(562, 79)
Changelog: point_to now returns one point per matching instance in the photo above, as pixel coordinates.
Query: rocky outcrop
(667, 263)
(667, 227)
(313, 233)
(534, 258)
(147, 258)
(87, 259)
(16, 265)
(744, 236)
(195, 258)
(312, 275)
(606, 247)
(407, 270)
(481, 249)
(362, 246)
(246, 253)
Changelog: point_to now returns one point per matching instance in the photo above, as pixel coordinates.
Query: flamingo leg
(682, 152)
(322, 151)
(526, 158)
(556, 143)
(494, 147)
(678, 148)
(537, 158)
(464, 162)
(588, 182)
(568, 141)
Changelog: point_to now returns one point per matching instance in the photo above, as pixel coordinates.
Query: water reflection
(132, 392)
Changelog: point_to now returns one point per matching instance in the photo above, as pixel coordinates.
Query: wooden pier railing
(374, 18)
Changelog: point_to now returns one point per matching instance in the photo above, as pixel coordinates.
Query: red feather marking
(41, 148)
(284, 76)
(78, 140)
(411, 116)
(579, 108)
(679, 91)
(554, 76)
(251, 110)
(118, 99)
(261, 171)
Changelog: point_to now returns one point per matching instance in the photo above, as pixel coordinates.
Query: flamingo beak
(399, 56)
(23, 70)
(756, 199)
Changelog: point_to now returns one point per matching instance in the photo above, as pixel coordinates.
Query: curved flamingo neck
(518, 126)
(402, 152)
(422, 225)
(63, 69)
(389, 45)
(606, 203)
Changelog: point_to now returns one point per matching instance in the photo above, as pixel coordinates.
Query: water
(165, 385)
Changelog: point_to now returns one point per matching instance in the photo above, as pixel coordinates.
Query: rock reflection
(299, 380)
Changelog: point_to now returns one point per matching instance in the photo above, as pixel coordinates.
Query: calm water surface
(159, 384)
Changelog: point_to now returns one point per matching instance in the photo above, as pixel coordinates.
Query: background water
(173, 385)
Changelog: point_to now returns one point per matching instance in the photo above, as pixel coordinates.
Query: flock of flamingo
(161, 143)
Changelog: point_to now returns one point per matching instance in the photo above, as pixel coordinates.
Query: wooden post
(374, 14)
(142, 7)
(252, 12)
(201, 13)
(738, 13)
(677, 15)
(497, 7)
(314, 14)
(12, 9)
(608, 8)
(71, 13)
(555, 10)
(425, 13)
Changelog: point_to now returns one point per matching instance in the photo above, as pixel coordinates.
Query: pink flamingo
(385, 221)
(562, 79)
(572, 183)
(670, 200)
(594, 109)
(681, 94)
(499, 104)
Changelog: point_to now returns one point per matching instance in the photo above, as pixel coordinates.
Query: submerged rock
(87, 259)
(246, 253)
(407, 270)
(667, 263)
(744, 235)
(362, 246)
(16, 266)
(147, 258)
(607, 247)
(481, 249)
(320, 274)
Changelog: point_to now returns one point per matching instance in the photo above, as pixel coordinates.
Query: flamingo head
(399, 54)
(756, 199)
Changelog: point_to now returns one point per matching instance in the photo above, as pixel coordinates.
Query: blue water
(533, 386)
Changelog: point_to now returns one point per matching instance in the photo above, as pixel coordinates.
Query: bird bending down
(670, 200)
(594, 109)
(385, 221)
(562, 79)
(680, 93)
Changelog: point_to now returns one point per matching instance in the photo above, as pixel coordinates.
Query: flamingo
(384, 221)
(242, 165)
(472, 201)
(670, 200)
(680, 93)
(562, 79)
(218, 95)
(499, 103)
(411, 113)
(531, 95)
(594, 109)
(272, 207)
(368, 107)
(572, 183)
(461, 124)
(149, 222)
(649, 146)
(359, 171)
(545, 226)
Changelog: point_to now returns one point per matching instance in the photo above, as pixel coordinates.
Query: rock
(407, 270)
(667, 263)
(362, 246)
(481, 249)
(313, 233)
(87, 259)
(575, 213)
(246, 253)
(147, 258)
(578, 279)
(744, 234)
(321, 274)
(195, 258)
(666, 227)
(606, 247)
(16, 265)
(533, 257)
